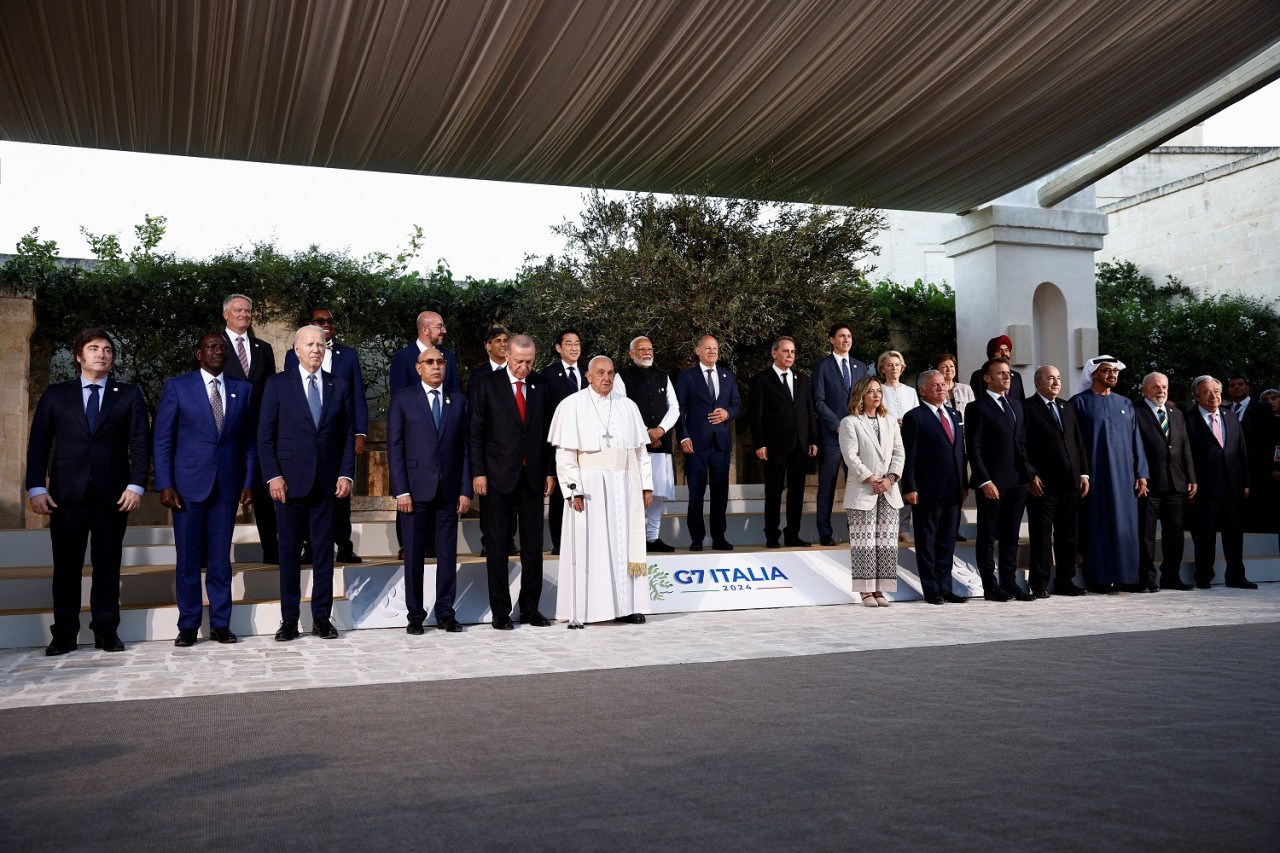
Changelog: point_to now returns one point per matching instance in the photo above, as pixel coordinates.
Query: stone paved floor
(159, 670)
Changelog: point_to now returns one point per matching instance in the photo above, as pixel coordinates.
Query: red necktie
(520, 399)
(946, 425)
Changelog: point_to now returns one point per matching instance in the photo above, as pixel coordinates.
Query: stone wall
(17, 317)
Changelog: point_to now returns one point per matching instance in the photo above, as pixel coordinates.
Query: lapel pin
(233, 396)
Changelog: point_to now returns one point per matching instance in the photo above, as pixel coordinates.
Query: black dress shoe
(1244, 584)
(60, 646)
(414, 628)
(400, 555)
(484, 550)
(1017, 593)
(223, 635)
(722, 546)
(348, 557)
(555, 550)
(951, 598)
(271, 558)
(535, 619)
(307, 557)
(1203, 584)
(324, 629)
(1177, 585)
(657, 546)
(515, 551)
(1040, 593)
(503, 624)
(108, 642)
(827, 541)
(796, 542)
(696, 546)
(1102, 588)
(997, 595)
(933, 599)
(772, 543)
(1068, 589)
(288, 630)
(450, 625)
(1153, 587)
(186, 638)
(633, 619)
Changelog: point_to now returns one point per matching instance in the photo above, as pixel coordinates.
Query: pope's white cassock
(600, 449)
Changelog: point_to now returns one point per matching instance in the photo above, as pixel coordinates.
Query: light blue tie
(313, 400)
(435, 408)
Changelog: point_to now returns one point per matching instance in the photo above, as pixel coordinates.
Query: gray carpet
(1154, 741)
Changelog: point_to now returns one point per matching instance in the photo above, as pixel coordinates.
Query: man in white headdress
(1118, 471)
(605, 474)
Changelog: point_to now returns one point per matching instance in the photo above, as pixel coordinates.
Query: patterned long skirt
(873, 547)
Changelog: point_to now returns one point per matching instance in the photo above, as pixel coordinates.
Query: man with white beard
(605, 475)
(654, 394)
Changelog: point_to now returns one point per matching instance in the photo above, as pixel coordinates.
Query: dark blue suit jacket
(934, 467)
(997, 448)
(190, 455)
(558, 381)
(291, 446)
(425, 461)
(345, 365)
(696, 403)
(405, 375)
(830, 398)
(1222, 472)
(117, 454)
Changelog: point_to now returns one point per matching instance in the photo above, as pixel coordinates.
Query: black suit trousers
(500, 514)
(700, 468)
(434, 521)
(1167, 508)
(999, 519)
(95, 521)
(1052, 521)
(830, 464)
(1208, 519)
(264, 518)
(314, 511)
(935, 526)
(784, 470)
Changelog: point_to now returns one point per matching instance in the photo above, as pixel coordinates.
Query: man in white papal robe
(605, 474)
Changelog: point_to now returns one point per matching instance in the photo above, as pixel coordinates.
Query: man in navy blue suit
(1222, 484)
(933, 483)
(404, 371)
(206, 464)
(833, 378)
(344, 363)
(996, 441)
(97, 431)
(251, 359)
(709, 401)
(306, 451)
(430, 462)
(564, 376)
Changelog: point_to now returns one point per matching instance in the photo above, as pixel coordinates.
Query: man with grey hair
(1222, 474)
(1170, 484)
(654, 394)
(784, 430)
(306, 451)
(253, 360)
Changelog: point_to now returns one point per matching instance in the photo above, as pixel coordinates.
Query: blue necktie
(1056, 417)
(1008, 410)
(313, 400)
(91, 408)
(711, 388)
(435, 408)
(573, 377)
(844, 368)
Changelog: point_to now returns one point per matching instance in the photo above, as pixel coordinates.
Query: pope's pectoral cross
(608, 439)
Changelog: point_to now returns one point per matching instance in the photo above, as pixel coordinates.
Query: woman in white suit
(871, 444)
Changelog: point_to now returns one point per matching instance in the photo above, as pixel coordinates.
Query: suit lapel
(424, 405)
(298, 385)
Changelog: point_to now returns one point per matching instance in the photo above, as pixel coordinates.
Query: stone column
(1028, 272)
(17, 317)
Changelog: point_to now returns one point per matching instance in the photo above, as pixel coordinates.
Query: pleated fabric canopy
(938, 105)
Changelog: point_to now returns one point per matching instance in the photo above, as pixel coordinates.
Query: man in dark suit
(97, 431)
(511, 466)
(1222, 484)
(306, 450)
(996, 441)
(933, 483)
(785, 433)
(344, 363)
(496, 342)
(563, 377)
(404, 371)
(833, 378)
(654, 394)
(429, 458)
(252, 360)
(206, 465)
(998, 347)
(1171, 482)
(1055, 448)
(709, 402)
